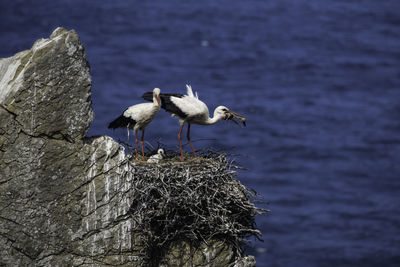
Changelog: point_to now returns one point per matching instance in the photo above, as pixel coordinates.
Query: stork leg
(188, 138)
(180, 143)
(141, 143)
(136, 141)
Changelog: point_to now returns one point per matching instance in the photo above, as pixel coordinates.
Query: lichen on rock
(71, 200)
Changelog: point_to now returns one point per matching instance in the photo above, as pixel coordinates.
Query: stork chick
(156, 158)
(188, 108)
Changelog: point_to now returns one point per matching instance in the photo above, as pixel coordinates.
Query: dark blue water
(318, 80)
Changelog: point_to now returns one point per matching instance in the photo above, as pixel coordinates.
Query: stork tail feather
(122, 122)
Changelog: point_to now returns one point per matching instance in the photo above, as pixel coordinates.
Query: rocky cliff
(70, 200)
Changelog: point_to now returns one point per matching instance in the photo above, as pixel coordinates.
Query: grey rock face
(47, 88)
(65, 199)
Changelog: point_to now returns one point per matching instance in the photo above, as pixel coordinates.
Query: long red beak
(237, 116)
(158, 101)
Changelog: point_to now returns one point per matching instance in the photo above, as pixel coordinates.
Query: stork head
(156, 96)
(221, 112)
(227, 114)
(160, 151)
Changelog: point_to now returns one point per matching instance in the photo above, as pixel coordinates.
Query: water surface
(318, 80)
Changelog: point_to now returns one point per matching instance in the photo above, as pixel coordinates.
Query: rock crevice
(67, 199)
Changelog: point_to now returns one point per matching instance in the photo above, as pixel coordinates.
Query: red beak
(159, 101)
(237, 116)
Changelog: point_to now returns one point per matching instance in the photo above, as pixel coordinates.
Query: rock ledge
(70, 200)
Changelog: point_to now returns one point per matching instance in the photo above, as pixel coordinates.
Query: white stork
(137, 117)
(188, 108)
(157, 157)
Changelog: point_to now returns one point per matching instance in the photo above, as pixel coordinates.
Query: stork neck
(213, 120)
(155, 104)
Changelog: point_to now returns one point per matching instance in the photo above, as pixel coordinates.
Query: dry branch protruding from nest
(197, 200)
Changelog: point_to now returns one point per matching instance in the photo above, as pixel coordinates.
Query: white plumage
(188, 108)
(142, 114)
(156, 157)
(137, 117)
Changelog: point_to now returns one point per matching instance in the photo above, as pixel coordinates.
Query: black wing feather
(166, 103)
(122, 122)
(148, 96)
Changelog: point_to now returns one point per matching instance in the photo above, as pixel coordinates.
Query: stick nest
(197, 200)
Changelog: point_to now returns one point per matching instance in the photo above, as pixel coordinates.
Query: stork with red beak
(137, 117)
(188, 108)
